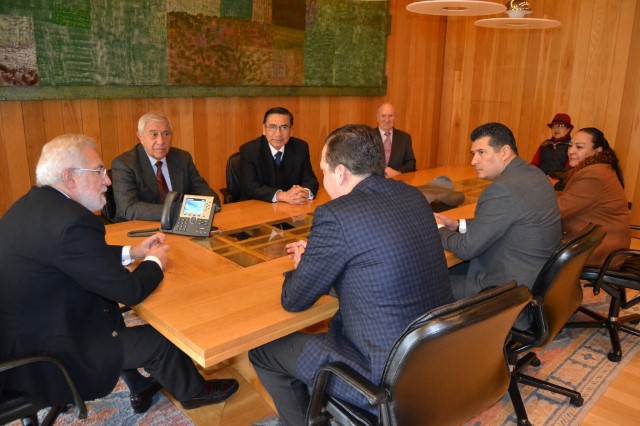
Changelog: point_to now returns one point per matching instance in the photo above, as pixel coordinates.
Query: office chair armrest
(81, 409)
(374, 394)
(605, 266)
(520, 341)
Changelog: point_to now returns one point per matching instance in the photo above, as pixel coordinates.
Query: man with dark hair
(60, 284)
(276, 166)
(516, 225)
(376, 244)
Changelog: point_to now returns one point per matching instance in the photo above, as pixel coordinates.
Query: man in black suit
(136, 189)
(60, 284)
(275, 166)
(397, 144)
(377, 244)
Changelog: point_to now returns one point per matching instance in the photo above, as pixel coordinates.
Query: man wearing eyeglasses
(60, 285)
(276, 166)
(143, 175)
(551, 155)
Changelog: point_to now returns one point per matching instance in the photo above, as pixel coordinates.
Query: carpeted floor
(577, 358)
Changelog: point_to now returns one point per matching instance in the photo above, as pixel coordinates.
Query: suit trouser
(144, 347)
(275, 364)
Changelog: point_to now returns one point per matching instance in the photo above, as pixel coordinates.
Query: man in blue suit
(376, 244)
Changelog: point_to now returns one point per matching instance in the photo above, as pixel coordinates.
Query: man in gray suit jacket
(516, 226)
(398, 151)
(136, 190)
(376, 244)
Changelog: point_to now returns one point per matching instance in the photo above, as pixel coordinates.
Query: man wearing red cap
(551, 155)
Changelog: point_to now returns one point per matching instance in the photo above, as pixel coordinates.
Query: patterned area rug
(577, 358)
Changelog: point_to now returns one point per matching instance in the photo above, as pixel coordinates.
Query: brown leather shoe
(141, 402)
(216, 391)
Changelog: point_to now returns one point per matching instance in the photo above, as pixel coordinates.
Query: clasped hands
(295, 195)
(295, 250)
(154, 245)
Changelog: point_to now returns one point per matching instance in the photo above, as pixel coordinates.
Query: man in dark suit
(397, 144)
(376, 244)
(275, 166)
(60, 284)
(516, 225)
(137, 186)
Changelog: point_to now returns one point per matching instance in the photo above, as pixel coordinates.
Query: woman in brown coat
(594, 193)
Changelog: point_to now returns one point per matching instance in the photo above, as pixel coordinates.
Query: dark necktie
(387, 147)
(278, 158)
(162, 183)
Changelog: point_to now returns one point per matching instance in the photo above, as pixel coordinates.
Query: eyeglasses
(558, 126)
(101, 170)
(284, 128)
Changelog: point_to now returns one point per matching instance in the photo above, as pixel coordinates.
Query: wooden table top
(213, 309)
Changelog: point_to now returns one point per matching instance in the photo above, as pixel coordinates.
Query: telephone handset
(192, 215)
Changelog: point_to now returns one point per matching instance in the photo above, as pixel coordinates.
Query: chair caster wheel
(524, 422)
(614, 356)
(635, 321)
(577, 401)
(536, 362)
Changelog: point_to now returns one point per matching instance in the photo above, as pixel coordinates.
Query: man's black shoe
(215, 391)
(142, 401)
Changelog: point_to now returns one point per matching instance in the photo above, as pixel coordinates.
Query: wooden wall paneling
(15, 143)
(72, 116)
(212, 152)
(34, 135)
(124, 127)
(620, 47)
(109, 135)
(6, 194)
(581, 42)
(628, 133)
(53, 118)
(90, 119)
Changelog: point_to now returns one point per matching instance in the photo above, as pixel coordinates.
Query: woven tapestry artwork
(161, 48)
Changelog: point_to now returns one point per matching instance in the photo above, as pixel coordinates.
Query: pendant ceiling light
(517, 20)
(456, 7)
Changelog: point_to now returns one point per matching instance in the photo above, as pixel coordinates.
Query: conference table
(220, 296)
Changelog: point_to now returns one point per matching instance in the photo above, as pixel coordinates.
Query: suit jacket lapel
(177, 183)
(269, 164)
(146, 169)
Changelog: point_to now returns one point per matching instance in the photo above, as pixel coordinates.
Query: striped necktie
(163, 188)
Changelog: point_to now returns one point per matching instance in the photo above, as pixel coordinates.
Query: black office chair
(22, 406)
(615, 283)
(557, 294)
(109, 209)
(231, 193)
(447, 366)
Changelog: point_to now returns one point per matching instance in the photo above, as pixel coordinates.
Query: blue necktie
(278, 158)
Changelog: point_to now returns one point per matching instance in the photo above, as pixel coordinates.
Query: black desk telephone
(193, 216)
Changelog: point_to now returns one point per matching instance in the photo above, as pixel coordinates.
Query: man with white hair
(60, 284)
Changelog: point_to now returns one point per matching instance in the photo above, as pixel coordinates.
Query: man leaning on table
(376, 243)
(516, 224)
(398, 152)
(276, 166)
(60, 284)
(143, 175)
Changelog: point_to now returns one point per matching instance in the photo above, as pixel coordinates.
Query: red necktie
(387, 147)
(162, 183)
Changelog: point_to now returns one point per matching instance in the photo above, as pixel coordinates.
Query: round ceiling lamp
(517, 20)
(456, 7)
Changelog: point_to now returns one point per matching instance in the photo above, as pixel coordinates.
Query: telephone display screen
(195, 206)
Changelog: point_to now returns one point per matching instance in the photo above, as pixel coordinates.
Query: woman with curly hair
(594, 193)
